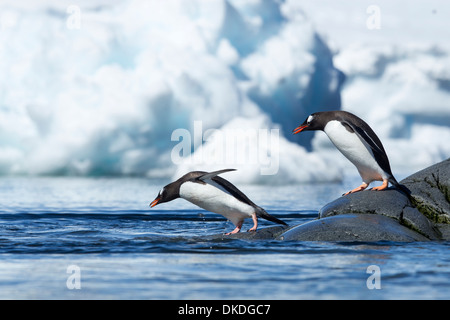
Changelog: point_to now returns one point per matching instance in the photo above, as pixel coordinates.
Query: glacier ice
(103, 95)
(397, 77)
(255, 147)
(403, 93)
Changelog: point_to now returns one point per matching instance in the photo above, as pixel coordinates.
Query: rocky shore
(421, 214)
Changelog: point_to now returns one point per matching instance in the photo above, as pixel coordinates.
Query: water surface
(122, 249)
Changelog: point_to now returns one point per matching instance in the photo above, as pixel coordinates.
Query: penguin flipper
(210, 175)
(373, 142)
(213, 179)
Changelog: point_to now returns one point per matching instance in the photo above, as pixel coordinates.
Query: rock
(389, 203)
(415, 220)
(430, 190)
(444, 229)
(352, 227)
(388, 215)
(426, 210)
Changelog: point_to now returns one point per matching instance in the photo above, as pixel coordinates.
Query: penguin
(357, 142)
(213, 193)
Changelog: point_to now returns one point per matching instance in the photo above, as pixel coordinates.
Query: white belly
(216, 200)
(355, 150)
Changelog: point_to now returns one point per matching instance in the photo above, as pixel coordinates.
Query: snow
(100, 87)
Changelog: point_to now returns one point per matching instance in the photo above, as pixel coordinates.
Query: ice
(402, 92)
(99, 87)
(397, 76)
(255, 147)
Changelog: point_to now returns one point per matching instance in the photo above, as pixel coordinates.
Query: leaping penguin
(213, 193)
(357, 142)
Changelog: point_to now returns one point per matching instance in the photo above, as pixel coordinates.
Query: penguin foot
(236, 230)
(360, 188)
(382, 187)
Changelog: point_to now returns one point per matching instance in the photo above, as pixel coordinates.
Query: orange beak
(154, 202)
(299, 129)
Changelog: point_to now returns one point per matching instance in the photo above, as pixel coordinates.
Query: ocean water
(96, 238)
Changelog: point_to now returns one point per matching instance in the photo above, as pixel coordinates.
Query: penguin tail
(402, 188)
(260, 212)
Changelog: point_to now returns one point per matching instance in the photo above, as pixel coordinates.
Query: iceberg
(122, 87)
(403, 93)
(100, 87)
(255, 147)
(397, 74)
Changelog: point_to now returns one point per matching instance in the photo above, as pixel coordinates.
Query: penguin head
(314, 121)
(168, 193)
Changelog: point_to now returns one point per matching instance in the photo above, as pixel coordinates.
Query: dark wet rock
(389, 203)
(426, 210)
(415, 220)
(353, 227)
(444, 229)
(430, 190)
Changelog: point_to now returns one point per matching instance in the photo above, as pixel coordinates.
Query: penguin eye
(310, 118)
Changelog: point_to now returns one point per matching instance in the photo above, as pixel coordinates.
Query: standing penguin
(357, 142)
(215, 194)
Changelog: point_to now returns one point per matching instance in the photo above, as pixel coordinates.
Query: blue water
(122, 249)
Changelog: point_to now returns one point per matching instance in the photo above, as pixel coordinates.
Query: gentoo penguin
(213, 193)
(357, 142)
